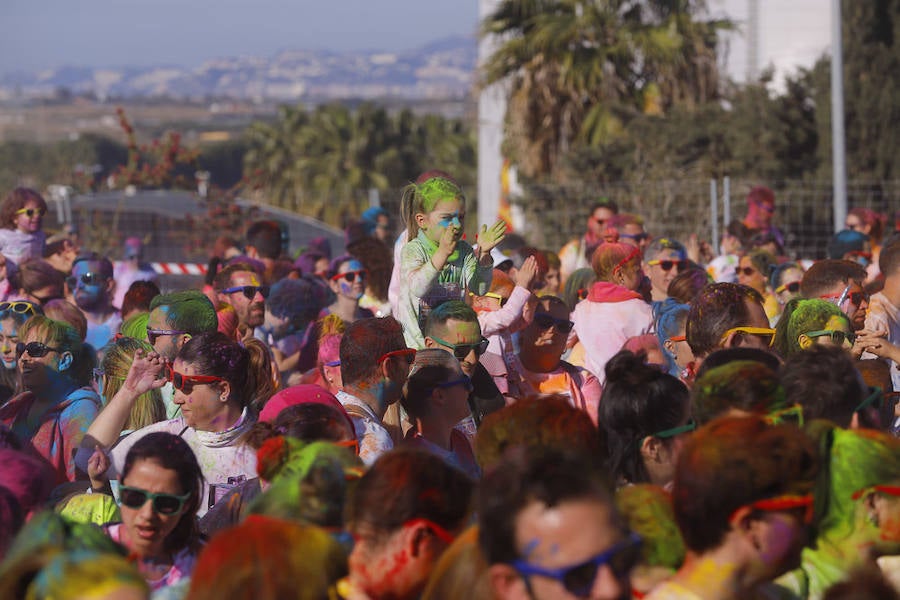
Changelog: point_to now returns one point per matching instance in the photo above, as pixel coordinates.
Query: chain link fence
(553, 215)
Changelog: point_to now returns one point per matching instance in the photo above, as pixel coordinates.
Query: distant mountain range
(443, 69)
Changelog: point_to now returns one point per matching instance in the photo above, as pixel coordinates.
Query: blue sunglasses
(579, 579)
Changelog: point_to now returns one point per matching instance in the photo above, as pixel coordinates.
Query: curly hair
(15, 201)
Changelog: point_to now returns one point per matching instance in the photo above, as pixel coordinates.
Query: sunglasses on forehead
(579, 579)
(249, 291)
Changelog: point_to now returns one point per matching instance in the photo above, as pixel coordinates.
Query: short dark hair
(189, 310)
(889, 258)
(364, 342)
(539, 421)
(549, 477)
(604, 203)
(172, 452)
(824, 380)
(823, 275)
(685, 286)
(759, 194)
(139, 296)
(716, 309)
(267, 237)
(746, 385)
(36, 273)
(452, 309)
(16, 200)
(638, 400)
(299, 300)
(432, 366)
(57, 246)
(732, 462)
(407, 484)
(223, 277)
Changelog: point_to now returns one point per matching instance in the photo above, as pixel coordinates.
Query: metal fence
(176, 230)
(555, 214)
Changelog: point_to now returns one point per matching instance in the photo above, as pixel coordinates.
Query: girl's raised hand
(491, 236)
(98, 464)
(449, 239)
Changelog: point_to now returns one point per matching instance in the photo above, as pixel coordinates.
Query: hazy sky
(49, 33)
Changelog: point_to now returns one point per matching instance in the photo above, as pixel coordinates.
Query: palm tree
(578, 70)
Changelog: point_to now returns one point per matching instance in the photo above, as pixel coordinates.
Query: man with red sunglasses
(841, 283)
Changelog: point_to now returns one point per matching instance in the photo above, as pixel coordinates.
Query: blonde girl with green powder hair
(436, 264)
(857, 507)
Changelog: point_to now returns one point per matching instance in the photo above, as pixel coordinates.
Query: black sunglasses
(856, 298)
(545, 321)
(579, 579)
(248, 290)
(34, 349)
(86, 279)
(747, 271)
(164, 504)
(461, 351)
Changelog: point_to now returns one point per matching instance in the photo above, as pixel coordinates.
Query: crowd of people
(415, 416)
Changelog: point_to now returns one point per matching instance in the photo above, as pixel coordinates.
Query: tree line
(600, 91)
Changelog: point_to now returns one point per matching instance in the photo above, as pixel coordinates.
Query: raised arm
(142, 377)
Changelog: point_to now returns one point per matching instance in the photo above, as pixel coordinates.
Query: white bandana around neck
(220, 439)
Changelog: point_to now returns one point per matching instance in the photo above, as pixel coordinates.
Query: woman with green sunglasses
(160, 493)
(644, 417)
(811, 321)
